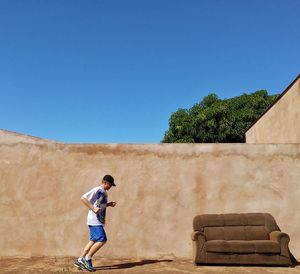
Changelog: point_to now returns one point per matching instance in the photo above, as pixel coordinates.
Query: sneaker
(79, 263)
(88, 265)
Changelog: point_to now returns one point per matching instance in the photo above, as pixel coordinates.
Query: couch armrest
(196, 234)
(283, 239)
(199, 240)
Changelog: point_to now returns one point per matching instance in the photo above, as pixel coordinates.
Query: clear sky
(114, 71)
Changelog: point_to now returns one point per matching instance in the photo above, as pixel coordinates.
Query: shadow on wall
(132, 264)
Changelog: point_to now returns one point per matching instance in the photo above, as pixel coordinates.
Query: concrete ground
(118, 266)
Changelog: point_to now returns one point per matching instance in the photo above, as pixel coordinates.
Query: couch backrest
(243, 226)
(236, 233)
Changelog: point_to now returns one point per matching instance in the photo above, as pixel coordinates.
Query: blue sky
(114, 71)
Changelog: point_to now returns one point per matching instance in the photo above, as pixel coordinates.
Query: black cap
(109, 179)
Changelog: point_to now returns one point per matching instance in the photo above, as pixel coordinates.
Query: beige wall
(280, 124)
(160, 189)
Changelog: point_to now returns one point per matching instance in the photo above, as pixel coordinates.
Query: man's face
(107, 185)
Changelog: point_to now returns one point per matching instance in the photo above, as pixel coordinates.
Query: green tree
(214, 120)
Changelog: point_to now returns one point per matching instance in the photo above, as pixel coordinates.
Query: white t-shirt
(98, 198)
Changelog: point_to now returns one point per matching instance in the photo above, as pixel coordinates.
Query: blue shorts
(97, 233)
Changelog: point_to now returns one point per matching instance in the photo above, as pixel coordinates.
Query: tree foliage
(214, 120)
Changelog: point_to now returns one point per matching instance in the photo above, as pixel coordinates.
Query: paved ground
(104, 266)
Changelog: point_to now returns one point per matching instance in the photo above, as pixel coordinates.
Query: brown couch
(252, 238)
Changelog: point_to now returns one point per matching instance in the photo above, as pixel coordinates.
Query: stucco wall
(160, 189)
(280, 124)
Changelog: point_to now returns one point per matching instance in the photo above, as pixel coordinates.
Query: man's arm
(89, 205)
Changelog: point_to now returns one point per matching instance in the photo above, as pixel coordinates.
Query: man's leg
(95, 247)
(87, 248)
(79, 263)
(98, 236)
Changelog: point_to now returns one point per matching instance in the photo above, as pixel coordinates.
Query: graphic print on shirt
(101, 203)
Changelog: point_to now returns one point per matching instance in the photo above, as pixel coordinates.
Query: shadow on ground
(131, 264)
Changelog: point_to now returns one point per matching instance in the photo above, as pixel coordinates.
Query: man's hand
(112, 204)
(96, 209)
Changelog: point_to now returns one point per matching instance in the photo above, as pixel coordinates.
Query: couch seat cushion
(258, 246)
